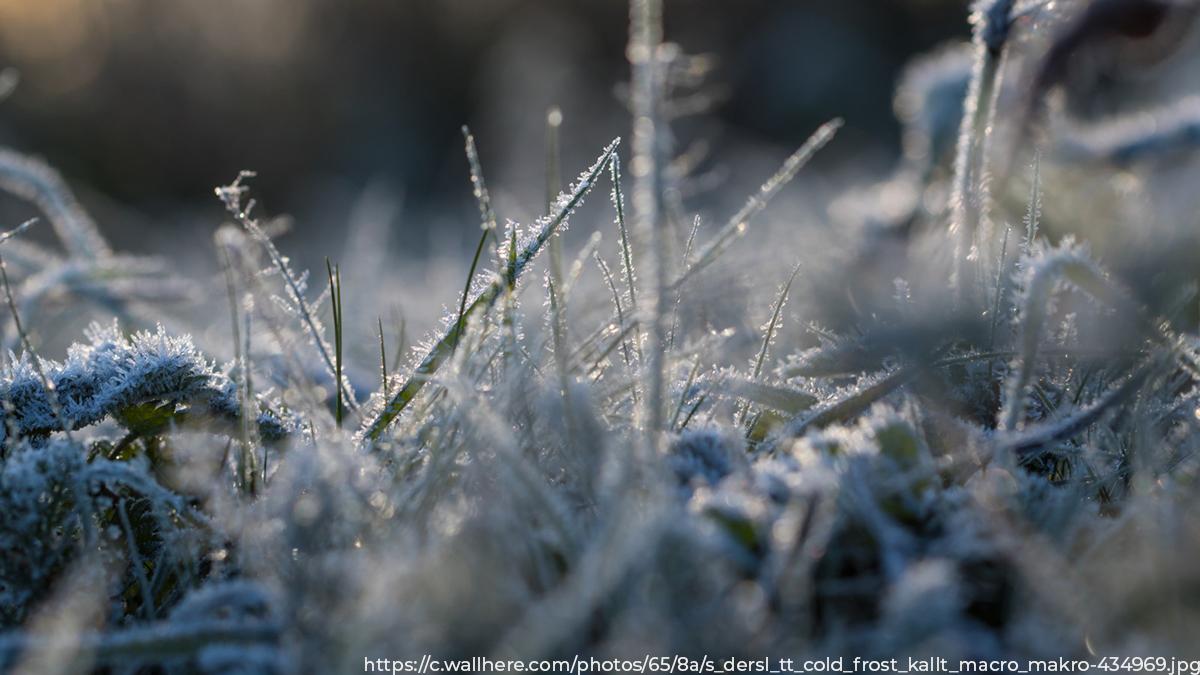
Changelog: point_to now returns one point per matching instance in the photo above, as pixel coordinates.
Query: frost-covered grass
(960, 422)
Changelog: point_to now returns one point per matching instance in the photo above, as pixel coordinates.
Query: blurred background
(146, 105)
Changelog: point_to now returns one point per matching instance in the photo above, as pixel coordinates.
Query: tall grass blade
(736, 226)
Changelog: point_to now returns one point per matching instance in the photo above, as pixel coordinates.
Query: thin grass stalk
(769, 336)
(466, 292)
(136, 562)
(1000, 286)
(629, 271)
(554, 121)
(487, 218)
(558, 329)
(683, 395)
(383, 368)
(23, 336)
(692, 412)
(736, 226)
(616, 294)
(678, 290)
(991, 22)
(245, 441)
(555, 285)
(401, 337)
(82, 499)
(335, 299)
(1033, 212)
(231, 196)
(247, 389)
(650, 155)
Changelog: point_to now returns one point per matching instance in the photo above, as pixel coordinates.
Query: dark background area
(146, 105)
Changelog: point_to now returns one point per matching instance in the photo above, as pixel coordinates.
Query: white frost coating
(113, 373)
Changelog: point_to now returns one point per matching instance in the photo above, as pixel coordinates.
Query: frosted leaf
(114, 373)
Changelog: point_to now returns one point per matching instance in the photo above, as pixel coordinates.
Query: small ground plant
(963, 422)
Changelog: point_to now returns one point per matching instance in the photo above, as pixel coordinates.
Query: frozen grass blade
(683, 395)
(678, 290)
(556, 288)
(616, 295)
(401, 336)
(136, 562)
(769, 336)
(617, 340)
(773, 324)
(487, 296)
(783, 399)
(736, 226)
(85, 510)
(1033, 212)
(554, 119)
(383, 368)
(17, 230)
(462, 304)
(618, 200)
(335, 301)
(629, 271)
(487, 218)
(554, 295)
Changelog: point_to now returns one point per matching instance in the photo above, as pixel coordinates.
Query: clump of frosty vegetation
(971, 435)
